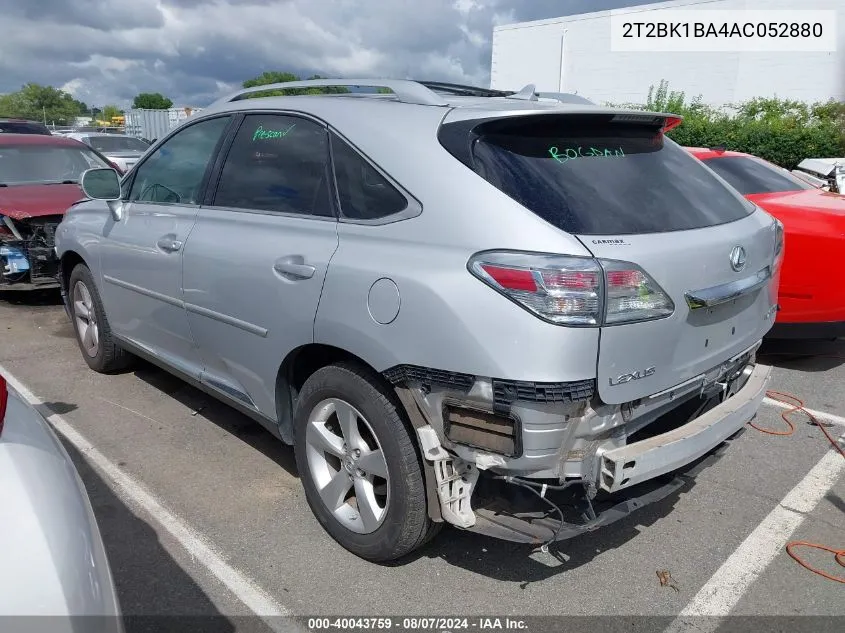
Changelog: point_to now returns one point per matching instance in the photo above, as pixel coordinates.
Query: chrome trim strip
(228, 320)
(717, 295)
(144, 291)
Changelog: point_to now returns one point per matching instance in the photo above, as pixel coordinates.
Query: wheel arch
(298, 366)
(69, 260)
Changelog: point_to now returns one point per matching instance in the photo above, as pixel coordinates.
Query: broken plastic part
(484, 461)
(455, 479)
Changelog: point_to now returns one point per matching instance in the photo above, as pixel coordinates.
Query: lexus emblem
(738, 258)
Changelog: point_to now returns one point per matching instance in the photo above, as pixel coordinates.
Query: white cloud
(193, 50)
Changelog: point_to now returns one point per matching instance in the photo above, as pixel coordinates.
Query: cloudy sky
(107, 51)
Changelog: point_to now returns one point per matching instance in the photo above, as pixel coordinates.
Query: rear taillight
(4, 399)
(631, 295)
(577, 291)
(779, 243)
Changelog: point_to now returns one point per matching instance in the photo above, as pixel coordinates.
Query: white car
(123, 151)
(825, 173)
(53, 562)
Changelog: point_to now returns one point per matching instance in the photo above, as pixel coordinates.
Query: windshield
(590, 175)
(41, 164)
(750, 175)
(115, 143)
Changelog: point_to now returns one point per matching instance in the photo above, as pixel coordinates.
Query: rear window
(116, 143)
(45, 164)
(590, 175)
(750, 175)
(23, 127)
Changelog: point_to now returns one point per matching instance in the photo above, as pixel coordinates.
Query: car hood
(27, 201)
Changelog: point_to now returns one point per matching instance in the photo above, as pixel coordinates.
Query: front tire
(91, 326)
(358, 464)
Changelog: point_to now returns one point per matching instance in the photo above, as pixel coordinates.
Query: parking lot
(202, 512)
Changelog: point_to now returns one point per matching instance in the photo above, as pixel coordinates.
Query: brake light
(511, 278)
(577, 291)
(556, 288)
(672, 122)
(632, 295)
(4, 400)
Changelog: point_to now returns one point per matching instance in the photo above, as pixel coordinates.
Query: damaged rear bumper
(512, 513)
(632, 464)
(608, 461)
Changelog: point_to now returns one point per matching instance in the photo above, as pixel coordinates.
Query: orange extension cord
(798, 405)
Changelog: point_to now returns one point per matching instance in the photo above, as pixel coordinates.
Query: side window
(364, 193)
(174, 172)
(277, 163)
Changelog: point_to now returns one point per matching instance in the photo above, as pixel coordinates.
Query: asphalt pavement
(203, 514)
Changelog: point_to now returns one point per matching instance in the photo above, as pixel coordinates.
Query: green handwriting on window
(262, 134)
(571, 153)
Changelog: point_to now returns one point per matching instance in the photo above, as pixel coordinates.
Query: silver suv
(515, 314)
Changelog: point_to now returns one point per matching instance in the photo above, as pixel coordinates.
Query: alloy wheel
(86, 319)
(347, 465)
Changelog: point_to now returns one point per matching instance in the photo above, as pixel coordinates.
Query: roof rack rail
(406, 91)
(565, 97)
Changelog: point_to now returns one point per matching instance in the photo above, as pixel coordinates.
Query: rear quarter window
(590, 175)
(364, 194)
(751, 175)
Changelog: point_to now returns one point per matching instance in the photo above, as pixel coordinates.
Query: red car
(812, 281)
(39, 180)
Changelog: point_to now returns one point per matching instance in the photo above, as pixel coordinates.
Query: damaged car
(520, 315)
(825, 173)
(39, 180)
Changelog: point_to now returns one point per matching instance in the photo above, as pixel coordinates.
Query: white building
(575, 54)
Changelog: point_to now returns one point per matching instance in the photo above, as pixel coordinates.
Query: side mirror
(104, 184)
(101, 184)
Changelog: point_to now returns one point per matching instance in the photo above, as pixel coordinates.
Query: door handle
(169, 244)
(294, 266)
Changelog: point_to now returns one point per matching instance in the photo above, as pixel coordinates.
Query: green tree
(276, 76)
(36, 102)
(270, 77)
(152, 101)
(782, 131)
(109, 111)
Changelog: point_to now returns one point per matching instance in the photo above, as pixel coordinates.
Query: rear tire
(93, 333)
(342, 410)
